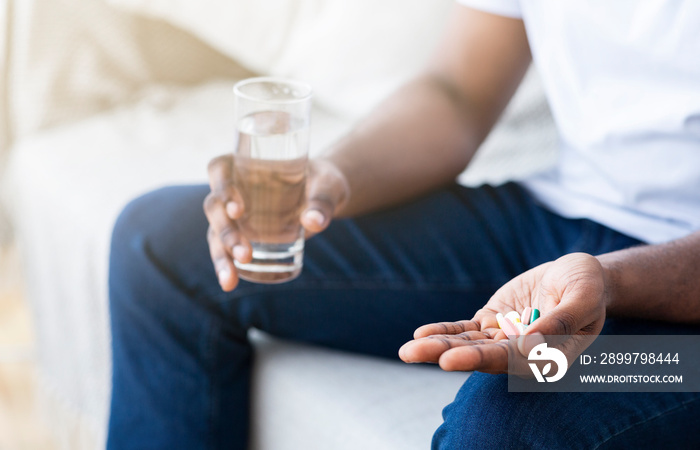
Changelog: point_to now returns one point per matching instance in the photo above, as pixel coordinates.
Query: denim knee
(158, 237)
(485, 415)
(168, 217)
(132, 222)
(140, 224)
(477, 417)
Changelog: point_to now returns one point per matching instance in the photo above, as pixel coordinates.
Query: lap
(368, 282)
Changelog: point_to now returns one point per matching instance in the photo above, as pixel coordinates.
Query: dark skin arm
(425, 134)
(660, 282)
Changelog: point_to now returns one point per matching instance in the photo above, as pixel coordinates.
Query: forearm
(660, 282)
(421, 137)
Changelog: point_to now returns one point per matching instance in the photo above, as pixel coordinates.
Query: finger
(461, 326)
(429, 349)
(221, 182)
(223, 265)
(488, 357)
(226, 229)
(486, 318)
(529, 341)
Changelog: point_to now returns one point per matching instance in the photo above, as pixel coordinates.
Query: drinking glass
(269, 171)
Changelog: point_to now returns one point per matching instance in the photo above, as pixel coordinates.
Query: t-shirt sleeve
(508, 8)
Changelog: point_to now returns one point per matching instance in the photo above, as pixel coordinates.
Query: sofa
(104, 100)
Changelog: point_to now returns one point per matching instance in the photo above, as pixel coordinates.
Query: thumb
(327, 191)
(561, 320)
(316, 216)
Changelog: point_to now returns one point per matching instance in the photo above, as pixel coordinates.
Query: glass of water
(270, 157)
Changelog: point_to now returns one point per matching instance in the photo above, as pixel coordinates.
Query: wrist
(612, 283)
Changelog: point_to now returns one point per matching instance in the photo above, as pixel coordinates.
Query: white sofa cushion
(313, 398)
(75, 58)
(352, 52)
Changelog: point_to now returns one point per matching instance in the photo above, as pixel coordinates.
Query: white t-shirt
(623, 80)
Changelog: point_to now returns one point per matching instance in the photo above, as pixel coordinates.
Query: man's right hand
(327, 191)
(419, 139)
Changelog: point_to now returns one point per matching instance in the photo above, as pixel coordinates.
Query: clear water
(270, 174)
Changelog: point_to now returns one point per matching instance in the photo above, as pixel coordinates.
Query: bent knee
(162, 233)
(476, 417)
(166, 214)
(159, 251)
(485, 415)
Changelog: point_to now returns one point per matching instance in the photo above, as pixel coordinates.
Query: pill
(521, 328)
(509, 329)
(500, 319)
(535, 315)
(525, 318)
(513, 316)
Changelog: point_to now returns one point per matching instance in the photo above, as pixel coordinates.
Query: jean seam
(647, 420)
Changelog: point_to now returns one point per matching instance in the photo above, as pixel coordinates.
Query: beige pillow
(252, 31)
(353, 52)
(74, 58)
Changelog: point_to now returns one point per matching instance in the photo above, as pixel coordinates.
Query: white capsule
(500, 319)
(513, 316)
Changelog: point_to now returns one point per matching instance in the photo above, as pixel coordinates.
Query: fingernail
(240, 252)
(232, 209)
(224, 274)
(402, 354)
(315, 216)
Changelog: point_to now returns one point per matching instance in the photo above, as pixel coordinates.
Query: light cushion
(75, 58)
(352, 52)
(313, 398)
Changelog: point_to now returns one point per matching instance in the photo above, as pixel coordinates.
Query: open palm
(569, 292)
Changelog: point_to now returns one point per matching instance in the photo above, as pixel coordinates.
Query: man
(612, 231)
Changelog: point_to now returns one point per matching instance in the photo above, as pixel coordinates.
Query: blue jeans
(181, 358)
